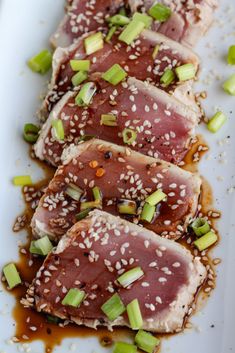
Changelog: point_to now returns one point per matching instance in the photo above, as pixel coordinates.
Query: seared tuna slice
(95, 252)
(189, 21)
(164, 126)
(122, 175)
(83, 16)
(136, 59)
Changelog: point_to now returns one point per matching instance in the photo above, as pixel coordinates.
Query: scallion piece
(132, 31)
(108, 120)
(33, 249)
(110, 33)
(79, 77)
(206, 241)
(41, 62)
(155, 51)
(97, 193)
(147, 20)
(93, 43)
(168, 77)
(81, 215)
(85, 95)
(86, 137)
(229, 85)
(200, 226)
(30, 133)
(146, 341)
(156, 197)
(122, 11)
(216, 122)
(90, 204)
(147, 213)
(123, 347)
(160, 12)
(114, 74)
(12, 276)
(113, 307)
(130, 276)
(22, 180)
(52, 319)
(44, 245)
(134, 315)
(118, 20)
(58, 129)
(185, 72)
(231, 55)
(73, 191)
(127, 207)
(80, 65)
(129, 136)
(74, 297)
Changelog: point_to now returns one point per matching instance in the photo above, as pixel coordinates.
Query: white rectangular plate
(25, 27)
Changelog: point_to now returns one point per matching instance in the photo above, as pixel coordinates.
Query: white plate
(25, 27)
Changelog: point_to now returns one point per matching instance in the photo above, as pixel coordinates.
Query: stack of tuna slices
(126, 171)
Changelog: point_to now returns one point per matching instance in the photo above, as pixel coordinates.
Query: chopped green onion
(231, 55)
(146, 341)
(160, 12)
(79, 77)
(126, 207)
(90, 204)
(216, 122)
(81, 215)
(147, 20)
(22, 180)
(86, 137)
(44, 245)
(33, 249)
(155, 51)
(118, 20)
(97, 193)
(156, 197)
(200, 226)
(147, 213)
(114, 74)
(110, 33)
(108, 120)
(30, 133)
(122, 11)
(123, 347)
(93, 43)
(58, 129)
(132, 31)
(206, 241)
(74, 192)
(80, 65)
(12, 276)
(130, 276)
(85, 95)
(52, 319)
(168, 77)
(185, 72)
(229, 85)
(41, 62)
(129, 136)
(74, 297)
(113, 307)
(134, 315)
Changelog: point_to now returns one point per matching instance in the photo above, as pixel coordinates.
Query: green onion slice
(97, 193)
(147, 213)
(73, 191)
(113, 307)
(80, 65)
(85, 95)
(185, 72)
(130, 276)
(206, 241)
(43, 245)
(93, 43)
(41, 62)
(141, 17)
(118, 20)
(160, 12)
(216, 122)
(86, 137)
(231, 55)
(122, 11)
(134, 315)
(81, 215)
(74, 297)
(22, 180)
(12, 276)
(168, 77)
(79, 77)
(110, 33)
(146, 341)
(58, 129)
(31, 133)
(123, 347)
(52, 319)
(127, 207)
(132, 31)
(90, 204)
(229, 85)
(155, 51)
(33, 249)
(114, 74)
(200, 226)
(108, 120)
(156, 197)
(129, 136)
